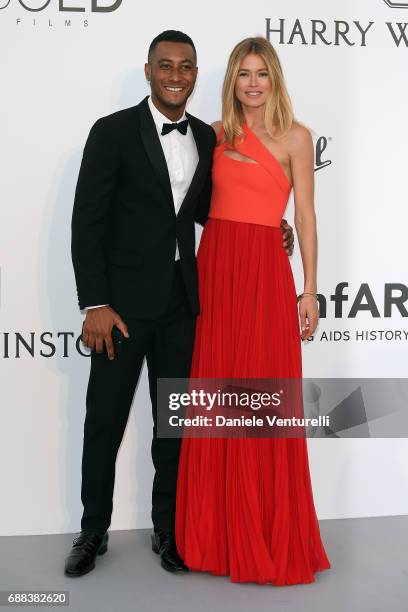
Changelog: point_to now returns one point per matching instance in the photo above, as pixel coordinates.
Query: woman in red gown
(245, 505)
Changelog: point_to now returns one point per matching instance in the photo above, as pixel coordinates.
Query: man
(145, 178)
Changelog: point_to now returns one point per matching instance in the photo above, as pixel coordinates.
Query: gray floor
(368, 557)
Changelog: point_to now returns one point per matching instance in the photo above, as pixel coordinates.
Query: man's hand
(288, 240)
(97, 329)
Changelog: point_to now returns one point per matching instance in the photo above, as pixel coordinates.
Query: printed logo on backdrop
(363, 304)
(54, 13)
(336, 32)
(321, 143)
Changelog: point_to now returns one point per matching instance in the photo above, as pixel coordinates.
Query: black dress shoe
(86, 546)
(164, 544)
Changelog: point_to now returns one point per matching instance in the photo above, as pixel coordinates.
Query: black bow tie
(169, 127)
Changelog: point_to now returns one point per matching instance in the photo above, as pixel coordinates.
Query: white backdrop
(60, 71)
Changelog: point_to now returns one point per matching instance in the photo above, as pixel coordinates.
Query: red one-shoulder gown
(245, 506)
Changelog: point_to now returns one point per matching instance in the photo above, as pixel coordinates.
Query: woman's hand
(309, 315)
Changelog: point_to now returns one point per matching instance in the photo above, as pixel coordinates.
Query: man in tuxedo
(145, 179)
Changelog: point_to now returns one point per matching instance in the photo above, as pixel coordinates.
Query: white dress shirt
(181, 156)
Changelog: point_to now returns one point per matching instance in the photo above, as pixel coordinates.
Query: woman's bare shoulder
(216, 125)
(299, 131)
(299, 136)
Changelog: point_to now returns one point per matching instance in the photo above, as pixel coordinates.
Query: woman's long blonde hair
(278, 108)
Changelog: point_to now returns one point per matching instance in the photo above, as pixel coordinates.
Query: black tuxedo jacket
(124, 225)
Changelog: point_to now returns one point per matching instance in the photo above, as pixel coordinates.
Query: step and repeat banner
(64, 64)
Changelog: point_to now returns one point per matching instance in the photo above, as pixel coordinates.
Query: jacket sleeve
(204, 199)
(90, 217)
(203, 203)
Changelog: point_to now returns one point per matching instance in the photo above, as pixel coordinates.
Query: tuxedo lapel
(154, 150)
(204, 155)
(155, 153)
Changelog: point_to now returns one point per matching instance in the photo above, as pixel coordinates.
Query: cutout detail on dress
(239, 157)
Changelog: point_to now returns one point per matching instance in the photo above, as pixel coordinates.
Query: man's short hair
(170, 36)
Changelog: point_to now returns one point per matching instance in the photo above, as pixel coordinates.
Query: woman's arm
(302, 161)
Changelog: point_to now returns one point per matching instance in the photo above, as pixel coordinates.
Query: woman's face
(253, 84)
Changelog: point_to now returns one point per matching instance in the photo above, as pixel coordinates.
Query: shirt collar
(158, 117)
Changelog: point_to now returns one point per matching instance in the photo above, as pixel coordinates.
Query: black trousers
(167, 344)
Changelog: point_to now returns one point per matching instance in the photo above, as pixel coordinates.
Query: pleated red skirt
(245, 505)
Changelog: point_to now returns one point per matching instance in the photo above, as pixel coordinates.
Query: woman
(245, 505)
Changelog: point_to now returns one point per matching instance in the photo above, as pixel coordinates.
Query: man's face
(172, 73)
